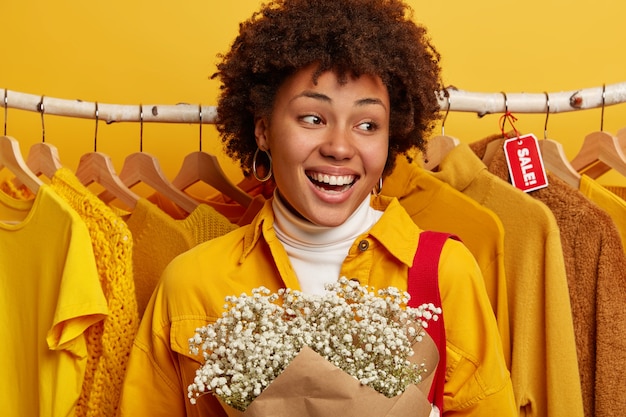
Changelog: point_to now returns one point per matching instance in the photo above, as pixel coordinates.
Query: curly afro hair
(351, 37)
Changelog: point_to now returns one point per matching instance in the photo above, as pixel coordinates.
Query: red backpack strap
(423, 286)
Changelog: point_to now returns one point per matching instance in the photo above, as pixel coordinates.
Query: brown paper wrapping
(313, 387)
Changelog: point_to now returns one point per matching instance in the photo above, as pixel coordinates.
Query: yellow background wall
(163, 52)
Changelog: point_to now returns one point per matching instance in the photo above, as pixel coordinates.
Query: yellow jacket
(435, 205)
(192, 290)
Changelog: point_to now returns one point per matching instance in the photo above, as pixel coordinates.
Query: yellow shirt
(193, 286)
(50, 295)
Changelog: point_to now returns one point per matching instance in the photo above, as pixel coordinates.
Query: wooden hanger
(599, 153)
(43, 159)
(555, 161)
(97, 167)
(554, 158)
(439, 146)
(204, 167)
(493, 148)
(621, 139)
(11, 158)
(437, 149)
(141, 167)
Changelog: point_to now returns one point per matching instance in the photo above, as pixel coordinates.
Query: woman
(322, 96)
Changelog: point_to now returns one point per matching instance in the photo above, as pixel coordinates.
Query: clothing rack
(451, 99)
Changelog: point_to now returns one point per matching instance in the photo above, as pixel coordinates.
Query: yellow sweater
(108, 342)
(544, 366)
(596, 274)
(158, 238)
(192, 290)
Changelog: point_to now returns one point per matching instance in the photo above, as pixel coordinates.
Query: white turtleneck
(317, 252)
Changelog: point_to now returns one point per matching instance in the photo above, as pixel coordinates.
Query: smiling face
(328, 142)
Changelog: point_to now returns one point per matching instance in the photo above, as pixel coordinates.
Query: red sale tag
(525, 164)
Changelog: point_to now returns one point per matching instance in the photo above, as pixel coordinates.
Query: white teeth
(332, 179)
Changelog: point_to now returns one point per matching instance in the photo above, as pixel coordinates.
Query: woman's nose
(338, 145)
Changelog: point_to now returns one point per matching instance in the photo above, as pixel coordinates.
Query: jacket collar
(395, 230)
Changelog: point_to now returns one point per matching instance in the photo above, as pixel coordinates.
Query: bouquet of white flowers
(275, 342)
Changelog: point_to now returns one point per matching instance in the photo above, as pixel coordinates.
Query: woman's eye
(311, 119)
(367, 126)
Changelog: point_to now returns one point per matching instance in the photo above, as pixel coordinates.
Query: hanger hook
(6, 110)
(42, 110)
(506, 110)
(445, 117)
(603, 102)
(95, 135)
(545, 125)
(140, 127)
(200, 130)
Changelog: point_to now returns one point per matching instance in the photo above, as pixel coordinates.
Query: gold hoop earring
(268, 175)
(378, 188)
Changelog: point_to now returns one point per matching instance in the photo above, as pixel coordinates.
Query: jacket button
(363, 245)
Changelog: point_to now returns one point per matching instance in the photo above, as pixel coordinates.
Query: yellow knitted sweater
(158, 238)
(109, 341)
